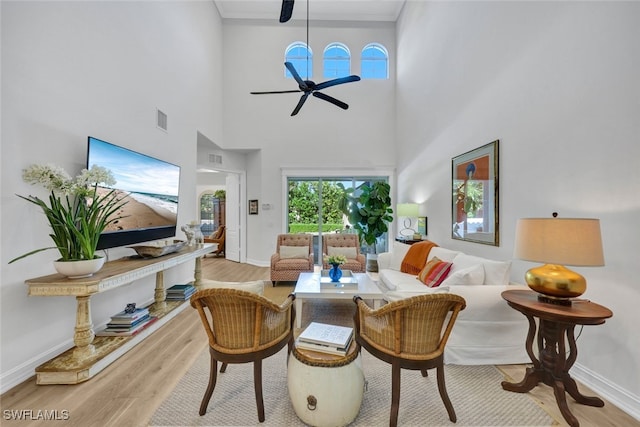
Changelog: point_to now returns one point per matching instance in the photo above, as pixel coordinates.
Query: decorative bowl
(158, 250)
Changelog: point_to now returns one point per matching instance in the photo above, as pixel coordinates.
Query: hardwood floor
(128, 392)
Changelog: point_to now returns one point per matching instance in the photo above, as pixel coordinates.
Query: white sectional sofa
(487, 331)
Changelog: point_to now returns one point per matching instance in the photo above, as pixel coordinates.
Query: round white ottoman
(326, 390)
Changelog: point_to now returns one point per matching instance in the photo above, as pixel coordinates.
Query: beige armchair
(294, 255)
(344, 244)
(242, 327)
(409, 334)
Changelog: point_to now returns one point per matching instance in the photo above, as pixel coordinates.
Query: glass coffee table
(309, 286)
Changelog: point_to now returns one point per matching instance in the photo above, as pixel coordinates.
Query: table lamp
(557, 242)
(407, 210)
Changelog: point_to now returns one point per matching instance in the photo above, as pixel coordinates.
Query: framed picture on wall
(253, 207)
(474, 205)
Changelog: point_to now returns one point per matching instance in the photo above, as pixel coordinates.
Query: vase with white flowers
(79, 210)
(336, 261)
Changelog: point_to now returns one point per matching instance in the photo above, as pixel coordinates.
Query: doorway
(312, 207)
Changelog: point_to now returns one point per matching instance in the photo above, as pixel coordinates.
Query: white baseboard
(26, 370)
(259, 263)
(621, 398)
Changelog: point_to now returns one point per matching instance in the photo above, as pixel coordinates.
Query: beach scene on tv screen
(151, 186)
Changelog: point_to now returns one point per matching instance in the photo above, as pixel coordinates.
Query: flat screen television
(152, 186)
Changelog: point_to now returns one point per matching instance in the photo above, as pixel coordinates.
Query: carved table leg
(83, 334)
(197, 275)
(160, 294)
(532, 375)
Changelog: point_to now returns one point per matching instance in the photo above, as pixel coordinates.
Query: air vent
(162, 120)
(215, 158)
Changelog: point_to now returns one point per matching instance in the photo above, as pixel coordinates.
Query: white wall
(72, 69)
(321, 135)
(557, 83)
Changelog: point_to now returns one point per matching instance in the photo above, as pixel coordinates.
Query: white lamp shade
(563, 241)
(407, 209)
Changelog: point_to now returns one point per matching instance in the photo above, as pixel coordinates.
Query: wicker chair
(409, 334)
(218, 237)
(288, 269)
(357, 264)
(243, 327)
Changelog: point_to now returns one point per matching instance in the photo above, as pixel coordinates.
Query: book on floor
(136, 314)
(125, 323)
(325, 334)
(323, 348)
(117, 332)
(180, 292)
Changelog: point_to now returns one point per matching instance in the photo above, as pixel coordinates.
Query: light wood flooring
(128, 392)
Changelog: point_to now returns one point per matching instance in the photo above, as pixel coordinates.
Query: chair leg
(395, 394)
(273, 283)
(424, 373)
(443, 394)
(213, 375)
(257, 382)
(223, 368)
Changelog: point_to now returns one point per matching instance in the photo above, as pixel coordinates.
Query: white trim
(621, 398)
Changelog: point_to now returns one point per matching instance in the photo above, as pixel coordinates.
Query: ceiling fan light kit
(308, 87)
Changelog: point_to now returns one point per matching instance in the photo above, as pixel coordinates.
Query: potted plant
(78, 211)
(369, 212)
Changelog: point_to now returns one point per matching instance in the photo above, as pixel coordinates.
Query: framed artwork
(474, 204)
(253, 207)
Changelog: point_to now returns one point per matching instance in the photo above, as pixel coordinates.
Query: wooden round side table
(557, 322)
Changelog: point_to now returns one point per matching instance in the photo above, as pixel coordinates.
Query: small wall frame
(253, 207)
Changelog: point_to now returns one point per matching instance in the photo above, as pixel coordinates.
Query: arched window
(337, 61)
(297, 53)
(374, 62)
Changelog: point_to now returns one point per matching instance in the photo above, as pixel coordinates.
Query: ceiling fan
(308, 87)
(286, 11)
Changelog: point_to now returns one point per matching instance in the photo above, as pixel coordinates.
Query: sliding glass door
(312, 207)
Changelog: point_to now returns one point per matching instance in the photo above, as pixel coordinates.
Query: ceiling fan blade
(286, 11)
(338, 81)
(300, 103)
(275, 91)
(296, 76)
(331, 99)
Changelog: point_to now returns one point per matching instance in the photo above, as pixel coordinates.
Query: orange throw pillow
(422, 276)
(434, 272)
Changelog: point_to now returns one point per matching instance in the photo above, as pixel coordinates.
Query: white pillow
(495, 272)
(294, 251)
(473, 275)
(444, 254)
(349, 252)
(256, 286)
(397, 254)
(400, 295)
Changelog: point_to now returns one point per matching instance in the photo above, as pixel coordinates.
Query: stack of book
(180, 292)
(127, 324)
(326, 338)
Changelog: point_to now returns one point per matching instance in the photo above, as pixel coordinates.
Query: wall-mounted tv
(152, 186)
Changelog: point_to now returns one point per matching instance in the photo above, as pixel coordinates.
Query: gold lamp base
(556, 283)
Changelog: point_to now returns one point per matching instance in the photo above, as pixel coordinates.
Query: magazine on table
(323, 348)
(325, 334)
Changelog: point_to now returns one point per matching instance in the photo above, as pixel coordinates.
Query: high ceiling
(326, 10)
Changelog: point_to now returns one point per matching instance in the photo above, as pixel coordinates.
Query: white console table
(91, 354)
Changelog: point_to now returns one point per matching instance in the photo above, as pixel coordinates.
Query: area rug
(475, 393)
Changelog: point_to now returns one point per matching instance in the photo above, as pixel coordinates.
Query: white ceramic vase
(79, 269)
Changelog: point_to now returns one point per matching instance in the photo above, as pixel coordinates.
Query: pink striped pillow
(435, 273)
